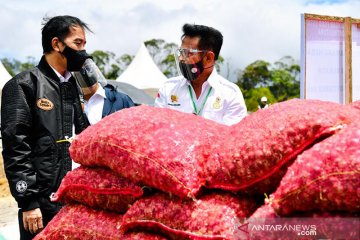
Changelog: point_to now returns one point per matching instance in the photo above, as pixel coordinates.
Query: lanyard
(196, 112)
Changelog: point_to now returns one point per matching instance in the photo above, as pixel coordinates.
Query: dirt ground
(8, 207)
(4, 187)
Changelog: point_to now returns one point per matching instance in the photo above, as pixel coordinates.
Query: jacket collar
(45, 68)
(213, 79)
(109, 100)
(62, 78)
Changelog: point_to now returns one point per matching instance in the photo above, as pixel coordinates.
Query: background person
(200, 90)
(99, 101)
(40, 108)
(263, 103)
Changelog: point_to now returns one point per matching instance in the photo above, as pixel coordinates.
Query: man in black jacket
(40, 110)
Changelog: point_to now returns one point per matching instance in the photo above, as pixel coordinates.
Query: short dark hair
(58, 26)
(210, 38)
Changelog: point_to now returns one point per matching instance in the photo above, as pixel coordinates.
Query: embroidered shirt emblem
(174, 98)
(45, 104)
(217, 103)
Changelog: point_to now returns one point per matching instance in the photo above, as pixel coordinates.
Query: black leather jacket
(37, 112)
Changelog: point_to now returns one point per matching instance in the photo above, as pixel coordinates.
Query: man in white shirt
(100, 99)
(94, 103)
(201, 90)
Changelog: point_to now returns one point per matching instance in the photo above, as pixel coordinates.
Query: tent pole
(348, 59)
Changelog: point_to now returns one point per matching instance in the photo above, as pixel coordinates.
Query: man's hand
(33, 221)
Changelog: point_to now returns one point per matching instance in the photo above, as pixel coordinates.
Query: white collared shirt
(225, 103)
(93, 108)
(61, 77)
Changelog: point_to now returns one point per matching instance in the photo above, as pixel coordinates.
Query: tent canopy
(4, 76)
(142, 72)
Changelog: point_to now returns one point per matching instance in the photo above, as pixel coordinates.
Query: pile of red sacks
(295, 158)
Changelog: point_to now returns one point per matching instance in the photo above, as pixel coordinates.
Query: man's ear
(55, 43)
(209, 59)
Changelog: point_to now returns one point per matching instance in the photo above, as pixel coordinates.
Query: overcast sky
(252, 29)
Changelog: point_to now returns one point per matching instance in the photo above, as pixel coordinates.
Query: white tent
(4, 76)
(142, 72)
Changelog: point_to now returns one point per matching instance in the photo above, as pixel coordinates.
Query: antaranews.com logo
(299, 228)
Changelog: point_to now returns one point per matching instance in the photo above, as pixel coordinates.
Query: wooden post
(348, 59)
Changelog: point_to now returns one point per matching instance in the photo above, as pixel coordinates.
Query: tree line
(278, 81)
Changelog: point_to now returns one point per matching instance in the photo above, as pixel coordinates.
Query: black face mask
(75, 59)
(191, 71)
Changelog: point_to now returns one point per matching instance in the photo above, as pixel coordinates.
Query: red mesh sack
(80, 222)
(266, 186)
(266, 140)
(265, 211)
(355, 104)
(142, 236)
(98, 188)
(214, 216)
(157, 147)
(325, 177)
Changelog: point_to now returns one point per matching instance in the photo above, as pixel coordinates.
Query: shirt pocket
(214, 111)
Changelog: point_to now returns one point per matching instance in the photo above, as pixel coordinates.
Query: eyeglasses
(188, 52)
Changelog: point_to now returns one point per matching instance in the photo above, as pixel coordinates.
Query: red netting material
(325, 177)
(80, 222)
(266, 186)
(98, 188)
(266, 140)
(355, 104)
(214, 216)
(157, 147)
(265, 211)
